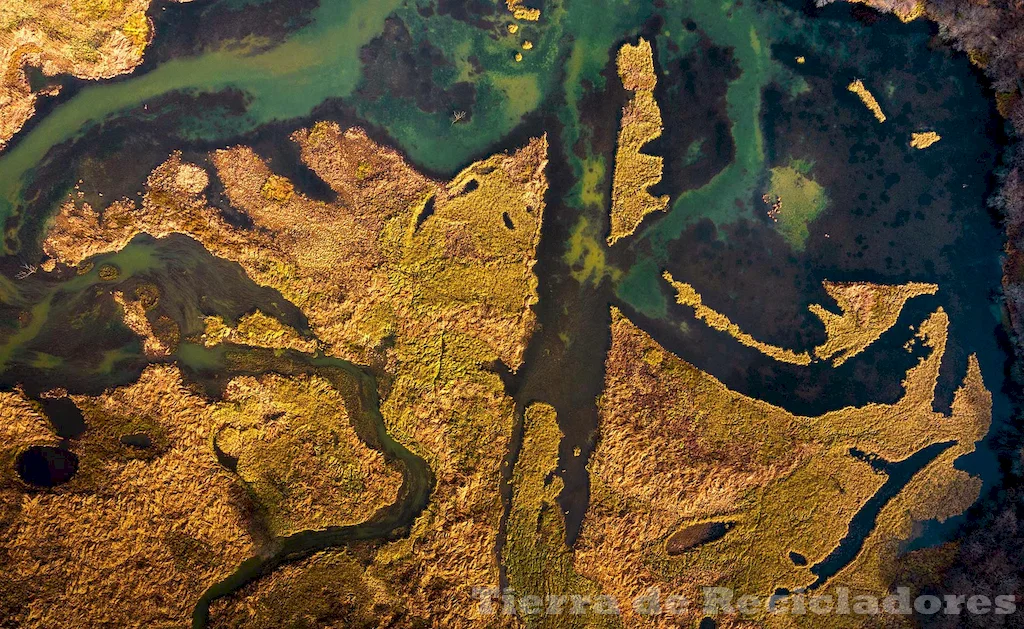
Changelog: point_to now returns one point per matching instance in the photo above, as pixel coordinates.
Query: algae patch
(798, 200)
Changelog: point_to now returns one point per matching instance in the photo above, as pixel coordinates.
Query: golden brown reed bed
(429, 282)
(257, 330)
(132, 538)
(866, 97)
(678, 448)
(537, 560)
(868, 311)
(635, 171)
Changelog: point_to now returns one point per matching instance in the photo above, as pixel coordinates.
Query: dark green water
(735, 103)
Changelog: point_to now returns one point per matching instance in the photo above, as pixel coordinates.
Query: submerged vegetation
(799, 199)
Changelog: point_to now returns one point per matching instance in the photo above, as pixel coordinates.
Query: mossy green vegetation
(587, 257)
(299, 455)
(800, 200)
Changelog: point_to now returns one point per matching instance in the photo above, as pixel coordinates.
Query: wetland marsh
(417, 201)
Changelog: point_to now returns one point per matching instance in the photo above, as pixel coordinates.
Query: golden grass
(787, 482)
(21, 426)
(299, 455)
(138, 29)
(857, 87)
(687, 296)
(427, 300)
(912, 13)
(981, 59)
(326, 590)
(277, 188)
(89, 39)
(131, 540)
(635, 171)
(135, 319)
(868, 310)
(521, 12)
(924, 139)
(537, 560)
(905, 10)
(137, 535)
(258, 330)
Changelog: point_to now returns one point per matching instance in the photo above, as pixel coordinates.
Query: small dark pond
(46, 466)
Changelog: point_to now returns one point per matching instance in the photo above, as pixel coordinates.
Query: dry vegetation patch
(537, 560)
(88, 39)
(868, 310)
(131, 539)
(679, 449)
(635, 171)
(430, 282)
(866, 97)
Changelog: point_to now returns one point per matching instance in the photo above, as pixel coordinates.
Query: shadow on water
(78, 340)
(65, 417)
